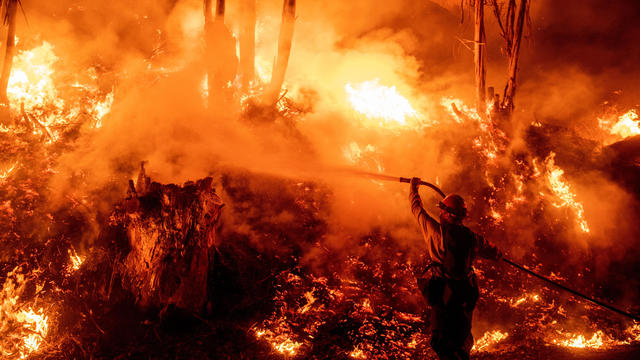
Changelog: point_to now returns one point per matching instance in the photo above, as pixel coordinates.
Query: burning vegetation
(281, 121)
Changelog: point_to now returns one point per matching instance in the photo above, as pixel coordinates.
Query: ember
(489, 339)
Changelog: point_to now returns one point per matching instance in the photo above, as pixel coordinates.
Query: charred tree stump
(167, 242)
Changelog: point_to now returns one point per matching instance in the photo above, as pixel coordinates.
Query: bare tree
(511, 22)
(479, 56)
(8, 9)
(284, 50)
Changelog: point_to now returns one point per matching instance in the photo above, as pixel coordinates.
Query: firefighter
(449, 283)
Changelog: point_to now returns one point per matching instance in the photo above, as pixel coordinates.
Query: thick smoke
(152, 54)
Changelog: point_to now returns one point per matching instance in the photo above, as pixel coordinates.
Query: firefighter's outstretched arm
(428, 225)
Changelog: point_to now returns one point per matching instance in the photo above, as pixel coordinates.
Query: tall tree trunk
(479, 56)
(248, 42)
(220, 4)
(514, 54)
(284, 50)
(10, 19)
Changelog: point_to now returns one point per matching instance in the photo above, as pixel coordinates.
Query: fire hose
(517, 266)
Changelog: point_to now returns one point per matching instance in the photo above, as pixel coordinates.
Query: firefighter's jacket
(451, 248)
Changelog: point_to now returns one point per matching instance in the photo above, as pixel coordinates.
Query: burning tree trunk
(207, 14)
(221, 59)
(514, 53)
(512, 28)
(9, 9)
(284, 49)
(167, 237)
(479, 56)
(248, 42)
(220, 7)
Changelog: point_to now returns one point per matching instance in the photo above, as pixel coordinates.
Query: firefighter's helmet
(454, 205)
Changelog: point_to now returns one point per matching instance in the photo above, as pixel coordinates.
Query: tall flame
(562, 191)
(31, 80)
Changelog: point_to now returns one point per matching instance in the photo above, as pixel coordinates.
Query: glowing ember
(491, 140)
(489, 339)
(634, 332)
(357, 354)
(525, 298)
(627, 125)
(581, 342)
(5, 173)
(562, 190)
(76, 260)
(284, 346)
(379, 102)
(310, 300)
(21, 331)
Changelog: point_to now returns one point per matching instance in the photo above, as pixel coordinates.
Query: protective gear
(460, 246)
(449, 284)
(454, 205)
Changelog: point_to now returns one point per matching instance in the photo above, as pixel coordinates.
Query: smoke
(152, 54)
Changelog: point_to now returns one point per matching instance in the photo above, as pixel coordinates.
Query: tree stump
(168, 238)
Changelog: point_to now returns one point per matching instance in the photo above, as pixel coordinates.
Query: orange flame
(597, 341)
(489, 339)
(76, 260)
(562, 191)
(380, 103)
(626, 125)
(21, 331)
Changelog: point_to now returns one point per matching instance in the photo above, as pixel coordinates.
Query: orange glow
(31, 80)
(598, 340)
(76, 260)
(5, 173)
(634, 332)
(380, 103)
(99, 108)
(562, 190)
(626, 125)
(310, 300)
(357, 354)
(21, 331)
(525, 298)
(489, 339)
